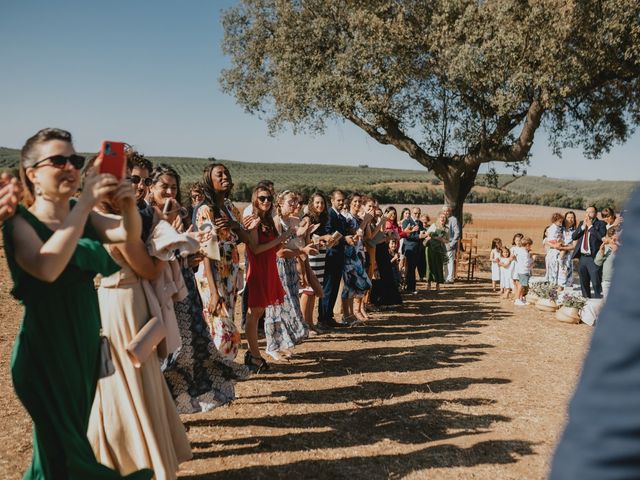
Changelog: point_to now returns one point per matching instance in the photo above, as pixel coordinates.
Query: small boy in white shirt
(524, 262)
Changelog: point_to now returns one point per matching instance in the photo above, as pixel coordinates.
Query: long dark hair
(391, 209)
(575, 219)
(208, 191)
(266, 218)
(315, 216)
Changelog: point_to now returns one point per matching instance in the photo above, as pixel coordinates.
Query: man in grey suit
(452, 246)
(602, 438)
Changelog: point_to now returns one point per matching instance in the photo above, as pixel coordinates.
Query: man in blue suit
(589, 235)
(602, 438)
(334, 261)
(412, 248)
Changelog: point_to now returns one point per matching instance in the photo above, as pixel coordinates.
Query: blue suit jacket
(335, 223)
(413, 239)
(602, 438)
(596, 233)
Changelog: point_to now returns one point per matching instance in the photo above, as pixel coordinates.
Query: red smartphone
(113, 159)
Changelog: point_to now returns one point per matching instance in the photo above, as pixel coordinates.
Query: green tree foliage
(453, 83)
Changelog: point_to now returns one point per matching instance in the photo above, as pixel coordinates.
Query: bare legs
(253, 315)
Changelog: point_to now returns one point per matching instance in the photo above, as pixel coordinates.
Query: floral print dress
(226, 273)
(284, 324)
(355, 278)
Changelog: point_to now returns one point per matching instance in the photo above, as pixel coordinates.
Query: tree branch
(394, 136)
(518, 150)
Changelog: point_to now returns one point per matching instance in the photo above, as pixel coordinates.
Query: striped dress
(317, 264)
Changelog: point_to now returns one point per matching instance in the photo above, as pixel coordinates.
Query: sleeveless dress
(54, 363)
(263, 281)
(355, 280)
(134, 422)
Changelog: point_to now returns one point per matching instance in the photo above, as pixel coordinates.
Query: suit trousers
(411, 254)
(332, 276)
(590, 274)
(422, 261)
(451, 262)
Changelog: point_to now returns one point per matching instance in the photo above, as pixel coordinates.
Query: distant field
(393, 185)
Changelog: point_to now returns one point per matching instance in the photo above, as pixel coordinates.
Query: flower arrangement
(544, 290)
(573, 301)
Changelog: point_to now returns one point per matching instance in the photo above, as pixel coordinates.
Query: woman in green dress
(436, 250)
(54, 249)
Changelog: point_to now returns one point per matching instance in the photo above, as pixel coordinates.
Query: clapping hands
(10, 195)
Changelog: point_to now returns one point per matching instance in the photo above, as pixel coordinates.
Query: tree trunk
(458, 182)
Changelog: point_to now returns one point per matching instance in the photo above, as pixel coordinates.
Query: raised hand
(124, 195)
(97, 186)
(251, 222)
(10, 195)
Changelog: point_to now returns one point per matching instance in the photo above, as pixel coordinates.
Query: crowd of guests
(129, 295)
(592, 244)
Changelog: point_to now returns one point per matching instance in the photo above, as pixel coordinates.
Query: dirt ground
(453, 385)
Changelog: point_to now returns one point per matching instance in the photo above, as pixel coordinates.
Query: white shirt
(522, 261)
(585, 251)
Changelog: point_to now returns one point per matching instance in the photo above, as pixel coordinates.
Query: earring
(38, 191)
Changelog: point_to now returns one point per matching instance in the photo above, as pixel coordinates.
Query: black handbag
(106, 362)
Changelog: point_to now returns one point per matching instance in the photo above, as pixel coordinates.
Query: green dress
(54, 363)
(436, 253)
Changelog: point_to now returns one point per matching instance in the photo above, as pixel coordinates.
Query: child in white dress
(494, 257)
(506, 266)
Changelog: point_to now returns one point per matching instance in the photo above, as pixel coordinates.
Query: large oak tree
(453, 83)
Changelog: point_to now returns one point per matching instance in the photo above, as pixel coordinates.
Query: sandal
(250, 363)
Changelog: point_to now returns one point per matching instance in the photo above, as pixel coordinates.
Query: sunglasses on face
(136, 179)
(264, 199)
(60, 161)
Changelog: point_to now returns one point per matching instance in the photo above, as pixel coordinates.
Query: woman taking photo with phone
(134, 423)
(54, 249)
(199, 378)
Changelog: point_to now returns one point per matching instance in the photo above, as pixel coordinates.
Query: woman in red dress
(263, 281)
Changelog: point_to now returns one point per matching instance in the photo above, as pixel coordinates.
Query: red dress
(263, 280)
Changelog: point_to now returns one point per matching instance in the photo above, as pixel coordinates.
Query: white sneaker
(519, 302)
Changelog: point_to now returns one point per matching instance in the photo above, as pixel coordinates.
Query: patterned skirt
(284, 324)
(198, 377)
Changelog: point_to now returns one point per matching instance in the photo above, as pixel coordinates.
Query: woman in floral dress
(565, 275)
(220, 277)
(199, 377)
(354, 276)
(284, 322)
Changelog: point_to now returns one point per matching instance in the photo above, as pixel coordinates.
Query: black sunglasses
(60, 161)
(264, 199)
(135, 179)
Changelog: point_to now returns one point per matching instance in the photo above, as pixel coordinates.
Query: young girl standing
(494, 257)
(515, 243)
(505, 263)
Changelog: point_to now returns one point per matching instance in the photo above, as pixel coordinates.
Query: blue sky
(147, 73)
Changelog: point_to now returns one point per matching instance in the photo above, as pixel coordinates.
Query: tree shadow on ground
(375, 412)
(384, 466)
(408, 422)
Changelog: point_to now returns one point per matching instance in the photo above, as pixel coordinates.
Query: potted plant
(532, 294)
(569, 312)
(547, 295)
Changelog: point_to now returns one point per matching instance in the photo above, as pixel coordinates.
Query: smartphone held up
(112, 159)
